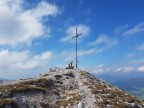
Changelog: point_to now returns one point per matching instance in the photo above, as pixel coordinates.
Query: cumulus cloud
(71, 32)
(20, 25)
(137, 29)
(14, 61)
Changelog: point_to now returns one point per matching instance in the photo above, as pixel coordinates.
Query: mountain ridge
(65, 88)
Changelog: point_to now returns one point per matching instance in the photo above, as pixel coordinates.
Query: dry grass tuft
(45, 105)
(44, 83)
(65, 102)
(120, 105)
(8, 103)
(40, 85)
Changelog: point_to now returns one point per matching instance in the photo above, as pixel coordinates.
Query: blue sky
(37, 34)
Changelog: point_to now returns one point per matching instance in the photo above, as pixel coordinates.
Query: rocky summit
(65, 88)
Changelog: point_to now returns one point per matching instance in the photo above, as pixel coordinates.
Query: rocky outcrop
(65, 88)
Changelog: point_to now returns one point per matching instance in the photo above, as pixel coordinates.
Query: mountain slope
(61, 88)
(2, 80)
(131, 84)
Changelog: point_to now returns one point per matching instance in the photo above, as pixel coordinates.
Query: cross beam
(77, 35)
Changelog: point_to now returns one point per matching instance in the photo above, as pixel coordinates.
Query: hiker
(70, 66)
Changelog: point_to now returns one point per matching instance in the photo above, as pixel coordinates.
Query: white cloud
(71, 32)
(138, 62)
(100, 69)
(124, 69)
(141, 69)
(141, 47)
(89, 51)
(19, 25)
(131, 67)
(15, 62)
(112, 69)
(137, 29)
(70, 55)
(120, 29)
(130, 55)
(138, 65)
(104, 41)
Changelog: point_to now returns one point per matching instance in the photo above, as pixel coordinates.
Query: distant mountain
(3, 79)
(130, 82)
(109, 78)
(114, 77)
(132, 85)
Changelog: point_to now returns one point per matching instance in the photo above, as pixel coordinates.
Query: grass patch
(120, 105)
(9, 90)
(73, 100)
(45, 105)
(44, 83)
(8, 103)
(83, 73)
(40, 85)
(62, 102)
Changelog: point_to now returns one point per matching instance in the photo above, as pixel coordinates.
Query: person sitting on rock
(70, 66)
